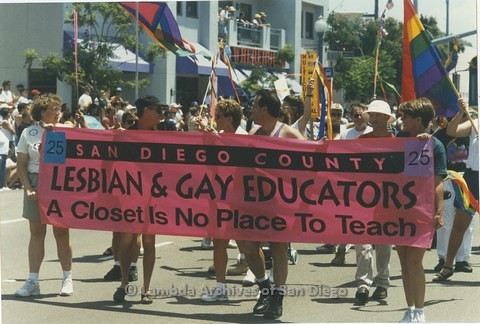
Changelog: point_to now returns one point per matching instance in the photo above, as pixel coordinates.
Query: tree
(259, 79)
(285, 54)
(105, 26)
(355, 33)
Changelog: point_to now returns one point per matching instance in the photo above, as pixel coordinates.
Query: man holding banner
(265, 111)
(379, 115)
(150, 113)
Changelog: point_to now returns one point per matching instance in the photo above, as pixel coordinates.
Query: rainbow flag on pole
(157, 20)
(423, 72)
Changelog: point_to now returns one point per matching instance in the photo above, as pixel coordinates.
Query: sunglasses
(357, 115)
(336, 114)
(159, 109)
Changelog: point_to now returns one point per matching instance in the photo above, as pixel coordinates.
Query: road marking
(109, 257)
(13, 221)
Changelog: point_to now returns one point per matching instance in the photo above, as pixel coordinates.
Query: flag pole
(458, 96)
(136, 50)
(75, 37)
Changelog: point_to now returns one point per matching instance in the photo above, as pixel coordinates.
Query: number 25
(417, 157)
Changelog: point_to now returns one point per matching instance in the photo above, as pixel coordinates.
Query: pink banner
(239, 187)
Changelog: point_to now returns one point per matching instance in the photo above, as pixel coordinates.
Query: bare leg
(220, 258)
(36, 246)
(64, 249)
(460, 225)
(115, 241)
(280, 262)
(413, 276)
(126, 244)
(148, 259)
(255, 258)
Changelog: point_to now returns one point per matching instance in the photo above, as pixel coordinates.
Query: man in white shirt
(7, 97)
(360, 126)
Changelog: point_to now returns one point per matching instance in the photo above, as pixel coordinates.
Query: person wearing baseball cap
(150, 113)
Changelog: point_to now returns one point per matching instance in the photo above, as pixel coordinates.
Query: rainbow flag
(157, 20)
(463, 196)
(423, 73)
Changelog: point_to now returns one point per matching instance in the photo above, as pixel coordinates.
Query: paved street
(181, 264)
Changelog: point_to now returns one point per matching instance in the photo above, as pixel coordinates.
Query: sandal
(443, 275)
(146, 299)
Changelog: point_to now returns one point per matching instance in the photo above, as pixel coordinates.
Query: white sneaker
(232, 244)
(215, 294)
(206, 243)
(249, 279)
(418, 317)
(67, 287)
(407, 316)
(29, 288)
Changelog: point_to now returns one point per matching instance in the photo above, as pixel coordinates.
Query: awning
(199, 65)
(123, 58)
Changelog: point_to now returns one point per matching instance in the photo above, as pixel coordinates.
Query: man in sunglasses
(360, 126)
(336, 115)
(150, 113)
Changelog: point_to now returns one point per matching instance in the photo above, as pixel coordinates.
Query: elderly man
(379, 115)
(265, 111)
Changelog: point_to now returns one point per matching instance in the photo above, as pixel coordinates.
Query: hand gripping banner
(378, 191)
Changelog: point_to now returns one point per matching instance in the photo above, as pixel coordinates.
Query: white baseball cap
(381, 107)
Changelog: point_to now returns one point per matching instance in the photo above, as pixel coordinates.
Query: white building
(172, 79)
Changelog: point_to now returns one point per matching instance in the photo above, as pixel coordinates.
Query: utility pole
(376, 10)
(448, 15)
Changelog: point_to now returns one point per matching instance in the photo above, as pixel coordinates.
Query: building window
(192, 9)
(309, 25)
(41, 80)
(179, 8)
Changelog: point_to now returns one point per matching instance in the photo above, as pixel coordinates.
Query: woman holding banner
(46, 111)
(416, 116)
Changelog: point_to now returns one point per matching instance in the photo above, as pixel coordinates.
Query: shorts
(471, 178)
(30, 207)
